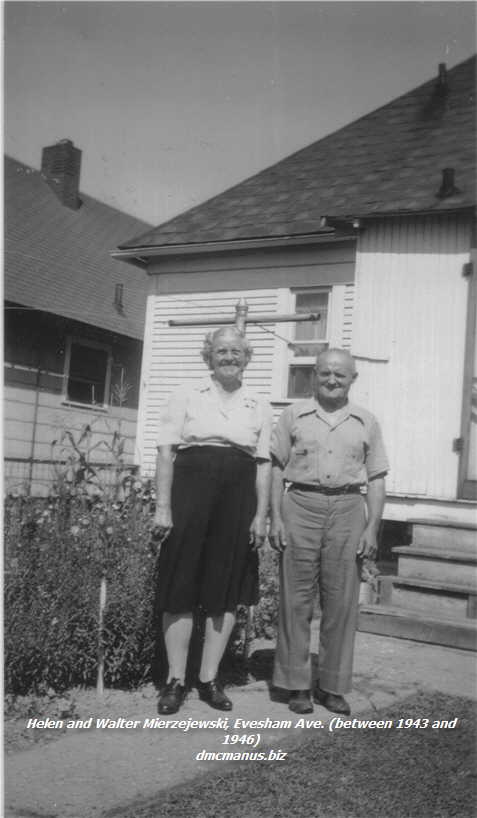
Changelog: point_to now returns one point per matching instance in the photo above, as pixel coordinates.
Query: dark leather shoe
(300, 702)
(333, 702)
(212, 693)
(171, 698)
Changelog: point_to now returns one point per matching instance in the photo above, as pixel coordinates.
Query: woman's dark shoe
(212, 693)
(333, 702)
(171, 698)
(300, 702)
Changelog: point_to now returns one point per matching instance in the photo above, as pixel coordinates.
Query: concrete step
(393, 621)
(436, 598)
(454, 566)
(444, 534)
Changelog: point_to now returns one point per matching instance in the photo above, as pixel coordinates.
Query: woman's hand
(162, 523)
(258, 531)
(277, 534)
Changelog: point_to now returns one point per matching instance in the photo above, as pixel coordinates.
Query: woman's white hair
(211, 337)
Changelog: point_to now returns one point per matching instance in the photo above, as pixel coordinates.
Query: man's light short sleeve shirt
(345, 451)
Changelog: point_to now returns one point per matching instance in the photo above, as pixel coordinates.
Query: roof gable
(388, 161)
(57, 259)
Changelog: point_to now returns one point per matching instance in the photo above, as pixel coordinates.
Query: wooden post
(102, 605)
(241, 311)
(34, 430)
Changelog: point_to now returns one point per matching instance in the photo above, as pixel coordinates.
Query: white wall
(409, 335)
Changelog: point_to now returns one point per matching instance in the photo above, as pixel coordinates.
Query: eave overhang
(141, 255)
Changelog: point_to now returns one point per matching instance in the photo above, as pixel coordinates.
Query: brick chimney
(60, 167)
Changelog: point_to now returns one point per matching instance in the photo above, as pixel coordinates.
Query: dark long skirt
(207, 560)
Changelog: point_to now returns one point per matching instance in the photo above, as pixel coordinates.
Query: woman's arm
(258, 528)
(164, 472)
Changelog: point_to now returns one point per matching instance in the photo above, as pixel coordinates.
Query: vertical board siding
(409, 336)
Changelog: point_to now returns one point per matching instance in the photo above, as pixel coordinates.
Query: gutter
(140, 255)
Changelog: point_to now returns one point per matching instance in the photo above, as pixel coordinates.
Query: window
(308, 339)
(87, 372)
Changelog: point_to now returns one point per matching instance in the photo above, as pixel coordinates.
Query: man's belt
(325, 489)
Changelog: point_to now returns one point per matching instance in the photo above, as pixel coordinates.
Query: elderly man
(324, 450)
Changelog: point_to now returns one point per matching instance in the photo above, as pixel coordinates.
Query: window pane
(312, 301)
(87, 374)
(300, 381)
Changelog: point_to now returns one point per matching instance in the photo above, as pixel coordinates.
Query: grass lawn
(362, 773)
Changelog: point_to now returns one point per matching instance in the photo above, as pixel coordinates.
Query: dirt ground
(83, 773)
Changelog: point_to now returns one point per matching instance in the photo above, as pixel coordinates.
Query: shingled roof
(57, 259)
(389, 161)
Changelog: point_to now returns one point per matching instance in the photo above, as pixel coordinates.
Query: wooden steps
(433, 597)
(456, 566)
(394, 621)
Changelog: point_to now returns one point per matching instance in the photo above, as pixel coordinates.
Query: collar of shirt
(313, 407)
(240, 395)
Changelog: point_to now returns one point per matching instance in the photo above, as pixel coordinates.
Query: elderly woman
(212, 503)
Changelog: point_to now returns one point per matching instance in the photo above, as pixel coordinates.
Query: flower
(75, 530)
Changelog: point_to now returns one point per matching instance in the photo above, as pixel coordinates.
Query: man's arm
(258, 528)
(375, 499)
(277, 535)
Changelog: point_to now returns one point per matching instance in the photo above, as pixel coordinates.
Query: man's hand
(277, 535)
(375, 497)
(368, 544)
(258, 531)
(162, 523)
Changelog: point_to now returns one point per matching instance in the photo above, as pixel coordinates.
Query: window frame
(72, 340)
(284, 357)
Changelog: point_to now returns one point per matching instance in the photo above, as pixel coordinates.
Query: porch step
(434, 596)
(430, 596)
(446, 565)
(444, 534)
(394, 621)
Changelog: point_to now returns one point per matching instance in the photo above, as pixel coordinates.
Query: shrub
(57, 551)
(266, 612)
(56, 554)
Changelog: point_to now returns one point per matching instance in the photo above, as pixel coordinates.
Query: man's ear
(355, 375)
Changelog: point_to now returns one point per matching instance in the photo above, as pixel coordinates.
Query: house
(372, 229)
(74, 323)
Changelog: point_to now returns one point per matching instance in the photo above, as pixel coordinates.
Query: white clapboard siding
(409, 336)
(172, 355)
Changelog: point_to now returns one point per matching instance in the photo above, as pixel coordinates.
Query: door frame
(467, 489)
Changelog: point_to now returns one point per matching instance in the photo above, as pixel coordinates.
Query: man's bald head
(335, 372)
(342, 355)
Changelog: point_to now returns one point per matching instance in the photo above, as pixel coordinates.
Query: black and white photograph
(240, 409)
